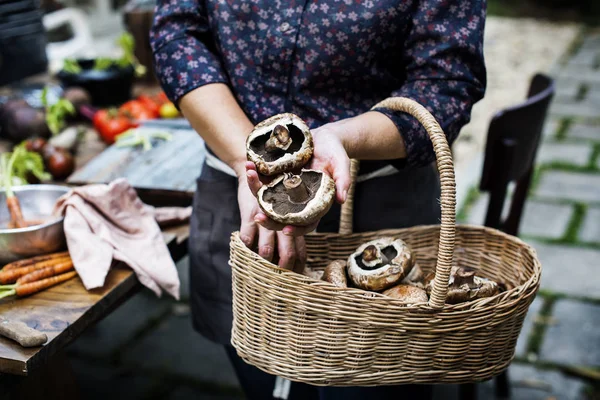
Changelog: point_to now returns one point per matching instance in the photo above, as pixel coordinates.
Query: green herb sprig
(57, 112)
(18, 164)
(71, 66)
(136, 137)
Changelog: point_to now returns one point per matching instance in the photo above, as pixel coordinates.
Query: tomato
(110, 123)
(60, 164)
(161, 98)
(36, 144)
(168, 110)
(150, 103)
(136, 110)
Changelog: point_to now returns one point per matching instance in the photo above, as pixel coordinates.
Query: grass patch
(575, 223)
(582, 92)
(534, 344)
(540, 325)
(575, 44)
(593, 164)
(501, 8)
(545, 293)
(563, 128)
(571, 234)
(472, 196)
(545, 240)
(568, 167)
(565, 11)
(596, 64)
(535, 179)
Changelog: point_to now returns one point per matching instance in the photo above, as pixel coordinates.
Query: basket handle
(448, 193)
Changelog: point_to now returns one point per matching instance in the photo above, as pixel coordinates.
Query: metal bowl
(37, 203)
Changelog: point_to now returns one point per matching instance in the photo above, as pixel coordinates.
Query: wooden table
(63, 312)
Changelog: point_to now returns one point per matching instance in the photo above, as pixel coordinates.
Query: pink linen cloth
(103, 222)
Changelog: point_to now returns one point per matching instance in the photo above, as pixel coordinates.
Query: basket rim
(493, 302)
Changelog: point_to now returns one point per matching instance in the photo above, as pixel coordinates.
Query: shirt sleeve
(444, 70)
(184, 49)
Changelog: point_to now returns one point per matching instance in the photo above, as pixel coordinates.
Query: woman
(230, 64)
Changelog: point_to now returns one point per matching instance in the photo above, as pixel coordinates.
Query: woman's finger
(266, 243)
(253, 181)
(300, 254)
(292, 230)
(341, 176)
(267, 222)
(248, 230)
(286, 247)
(289, 230)
(250, 166)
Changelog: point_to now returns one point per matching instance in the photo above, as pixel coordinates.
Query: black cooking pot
(107, 87)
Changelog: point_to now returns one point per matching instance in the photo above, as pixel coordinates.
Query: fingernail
(248, 174)
(344, 195)
(288, 231)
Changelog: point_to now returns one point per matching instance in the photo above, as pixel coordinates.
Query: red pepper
(110, 123)
(136, 110)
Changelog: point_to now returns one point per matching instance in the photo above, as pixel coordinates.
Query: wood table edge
(177, 248)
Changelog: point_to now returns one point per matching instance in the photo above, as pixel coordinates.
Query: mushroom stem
(279, 140)
(373, 253)
(464, 276)
(296, 189)
(370, 253)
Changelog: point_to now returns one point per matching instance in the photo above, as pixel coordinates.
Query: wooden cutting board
(170, 165)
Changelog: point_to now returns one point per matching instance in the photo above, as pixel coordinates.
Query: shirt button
(284, 27)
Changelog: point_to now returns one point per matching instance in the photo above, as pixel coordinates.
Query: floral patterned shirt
(326, 60)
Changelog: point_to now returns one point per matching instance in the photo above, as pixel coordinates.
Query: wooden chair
(513, 138)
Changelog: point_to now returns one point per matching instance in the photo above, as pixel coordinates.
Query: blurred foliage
(587, 11)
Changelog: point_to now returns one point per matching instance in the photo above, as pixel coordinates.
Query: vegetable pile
(29, 276)
(127, 44)
(114, 121)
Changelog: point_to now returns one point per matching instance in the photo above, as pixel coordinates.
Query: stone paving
(147, 349)
(558, 352)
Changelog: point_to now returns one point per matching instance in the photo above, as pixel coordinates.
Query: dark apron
(408, 198)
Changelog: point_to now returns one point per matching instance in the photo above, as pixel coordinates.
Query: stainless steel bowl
(37, 203)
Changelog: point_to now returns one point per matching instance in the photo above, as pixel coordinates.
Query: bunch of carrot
(35, 274)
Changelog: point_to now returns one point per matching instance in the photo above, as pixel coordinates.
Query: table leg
(54, 381)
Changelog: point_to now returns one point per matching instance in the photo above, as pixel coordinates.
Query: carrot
(12, 275)
(33, 260)
(14, 208)
(46, 272)
(34, 287)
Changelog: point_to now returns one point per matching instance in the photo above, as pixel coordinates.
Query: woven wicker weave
(305, 330)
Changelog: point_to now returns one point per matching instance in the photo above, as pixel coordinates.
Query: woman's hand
(330, 157)
(291, 250)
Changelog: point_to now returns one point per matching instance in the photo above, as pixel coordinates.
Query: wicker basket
(305, 330)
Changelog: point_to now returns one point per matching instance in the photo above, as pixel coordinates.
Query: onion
(19, 121)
